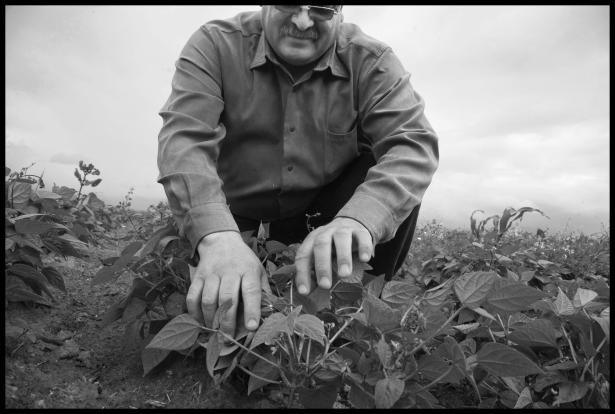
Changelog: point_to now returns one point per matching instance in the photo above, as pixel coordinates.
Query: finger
(193, 299)
(251, 294)
(343, 250)
(365, 245)
(303, 263)
(322, 258)
(228, 296)
(209, 300)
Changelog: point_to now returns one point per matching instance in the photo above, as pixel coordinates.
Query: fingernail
(302, 289)
(252, 324)
(365, 257)
(344, 270)
(325, 283)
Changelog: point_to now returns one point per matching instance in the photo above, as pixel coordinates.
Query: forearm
(189, 143)
(404, 145)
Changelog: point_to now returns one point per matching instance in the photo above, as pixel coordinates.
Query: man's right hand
(226, 265)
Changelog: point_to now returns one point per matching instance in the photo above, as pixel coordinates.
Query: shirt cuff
(206, 219)
(372, 214)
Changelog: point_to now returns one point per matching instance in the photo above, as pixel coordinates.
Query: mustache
(291, 30)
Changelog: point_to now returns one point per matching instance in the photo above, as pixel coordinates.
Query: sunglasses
(320, 13)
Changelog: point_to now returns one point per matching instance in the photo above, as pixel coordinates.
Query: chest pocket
(340, 150)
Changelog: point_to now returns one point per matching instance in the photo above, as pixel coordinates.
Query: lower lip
(300, 39)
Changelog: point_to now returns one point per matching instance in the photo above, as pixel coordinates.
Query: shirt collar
(328, 60)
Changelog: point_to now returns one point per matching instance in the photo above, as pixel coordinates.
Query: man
(280, 113)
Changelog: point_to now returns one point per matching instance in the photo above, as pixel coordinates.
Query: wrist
(217, 237)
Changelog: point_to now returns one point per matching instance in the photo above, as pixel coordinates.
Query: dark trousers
(388, 256)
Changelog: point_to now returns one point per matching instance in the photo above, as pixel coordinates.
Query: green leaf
(43, 194)
(152, 357)
(18, 193)
(473, 226)
(472, 288)
(320, 397)
(438, 295)
(317, 300)
(115, 311)
(549, 378)
(514, 297)
(135, 308)
(131, 249)
(19, 294)
(263, 370)
(384, 352)
(214, 346)
(356, 276)
(275, 324)
(359, 398)
(571, 391)
(388, 391)
(379, 314)
(525, 398)
(504, 361)
(152, 243)
(175, 304)
(54, 278)
(537, 333)
(180, 333)
(312, 327)
(433, 366)
(605, 324)
(65, 192)
(583, 297)
(72, 240)
(109, 273)
(274, 247)
(562, 305)
(32, 226)
(453, 353)
(376, 285)
(286, 270)
(400, 292)
(31, 276)
(347, 292)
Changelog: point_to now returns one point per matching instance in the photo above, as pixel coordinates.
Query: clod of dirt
(70, 349)
(85, 357)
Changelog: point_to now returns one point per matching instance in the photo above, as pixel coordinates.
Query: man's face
(297, 38)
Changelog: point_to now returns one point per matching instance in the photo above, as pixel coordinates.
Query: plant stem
(247, 371)
(574, 355)
(433, 335)
(238, 344)
(344, 326)
(591, 360)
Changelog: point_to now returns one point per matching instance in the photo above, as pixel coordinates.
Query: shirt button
(290, 168)
(291, 129)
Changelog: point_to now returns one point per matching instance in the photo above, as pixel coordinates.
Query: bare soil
(61, 357)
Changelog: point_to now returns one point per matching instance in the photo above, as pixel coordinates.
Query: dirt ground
(61, 357)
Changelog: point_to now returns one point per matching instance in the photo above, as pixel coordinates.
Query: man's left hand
(316, 252)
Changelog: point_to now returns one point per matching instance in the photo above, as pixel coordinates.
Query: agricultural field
(483, 317)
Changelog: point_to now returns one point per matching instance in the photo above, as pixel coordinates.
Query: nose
(302, 19)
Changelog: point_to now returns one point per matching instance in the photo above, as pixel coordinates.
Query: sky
(518, 95)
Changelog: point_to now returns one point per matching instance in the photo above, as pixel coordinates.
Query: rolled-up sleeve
(405, 146)
(189, 142)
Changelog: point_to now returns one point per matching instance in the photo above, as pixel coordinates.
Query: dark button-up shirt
(240, 136)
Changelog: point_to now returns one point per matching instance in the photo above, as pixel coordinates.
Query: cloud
(65, 158)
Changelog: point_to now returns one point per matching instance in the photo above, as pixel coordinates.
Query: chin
(298, 59)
